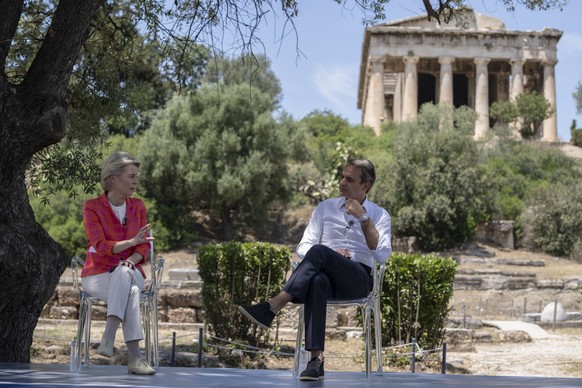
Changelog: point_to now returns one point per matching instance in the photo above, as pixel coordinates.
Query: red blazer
(104, 230)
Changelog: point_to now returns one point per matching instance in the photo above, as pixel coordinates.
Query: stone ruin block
(550, 283)
(68, 296)
(406, 244)
(179, 274)
(181, 298)
(182, 315)
(496, 232)
(514, 336)
(63, 312)
(460, 340)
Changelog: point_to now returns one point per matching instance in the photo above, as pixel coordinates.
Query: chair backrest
(156, 268)
(378, 277)
(76, 264)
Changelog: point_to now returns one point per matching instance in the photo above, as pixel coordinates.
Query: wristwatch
(363, 217)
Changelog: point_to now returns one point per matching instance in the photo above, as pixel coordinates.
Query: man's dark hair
(367, 168)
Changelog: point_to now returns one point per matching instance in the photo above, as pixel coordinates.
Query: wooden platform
(43, 375)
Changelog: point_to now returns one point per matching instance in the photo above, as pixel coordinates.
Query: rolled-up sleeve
(312, 234)
(384, 248)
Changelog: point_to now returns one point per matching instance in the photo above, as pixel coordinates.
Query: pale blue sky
(325, 74)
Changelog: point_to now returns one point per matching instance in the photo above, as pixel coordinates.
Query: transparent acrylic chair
(85, 311)
(149, 313)
(367, 305)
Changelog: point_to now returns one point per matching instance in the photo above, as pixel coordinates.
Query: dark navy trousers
(325, 274)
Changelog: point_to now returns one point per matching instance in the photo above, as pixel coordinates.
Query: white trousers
(121, 290)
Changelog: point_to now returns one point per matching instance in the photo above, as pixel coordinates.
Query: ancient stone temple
(409, 62)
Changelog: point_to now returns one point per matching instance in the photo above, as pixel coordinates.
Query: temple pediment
(467, 20)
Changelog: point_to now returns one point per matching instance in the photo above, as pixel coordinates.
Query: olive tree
(527, 112)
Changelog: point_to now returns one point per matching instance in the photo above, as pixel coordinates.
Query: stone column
(471, 90)
(410, 98)
(550, 127)
(397, 109)
(446, 80)
(502, 87)
(516, 87)
(374, 108)
(481, 97)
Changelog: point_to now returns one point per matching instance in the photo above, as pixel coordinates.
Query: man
(343, 239)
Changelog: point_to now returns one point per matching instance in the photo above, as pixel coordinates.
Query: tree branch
(11, 11)
(52, 66)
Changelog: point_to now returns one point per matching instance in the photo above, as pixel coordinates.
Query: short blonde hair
(114, 165)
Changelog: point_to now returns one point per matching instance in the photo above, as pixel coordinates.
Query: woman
(118, 235)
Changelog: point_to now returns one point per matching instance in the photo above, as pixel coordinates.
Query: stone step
(493, 282)
(181, 284)
(490, 272)
(500, 261)
(180, 274)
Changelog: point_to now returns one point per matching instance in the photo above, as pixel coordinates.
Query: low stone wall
(177, 303)
(492, 279)
(180, 302)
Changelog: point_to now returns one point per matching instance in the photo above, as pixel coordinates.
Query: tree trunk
(226, 223)
(31, 262)
(32, 117)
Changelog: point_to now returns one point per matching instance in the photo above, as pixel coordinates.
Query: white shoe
(105, 348)
(140, 367)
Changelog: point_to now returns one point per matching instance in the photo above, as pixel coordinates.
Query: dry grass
(52, 340)
(555, 267)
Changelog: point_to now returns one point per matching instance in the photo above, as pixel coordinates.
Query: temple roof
(467, 20)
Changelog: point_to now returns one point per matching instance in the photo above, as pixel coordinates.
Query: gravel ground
(550, 357)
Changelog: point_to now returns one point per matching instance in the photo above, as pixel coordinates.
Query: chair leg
(366, 326)
(80, 331)
(378, 334)
(155, 348)
(88, 330)
(146, 317)
(298, 343)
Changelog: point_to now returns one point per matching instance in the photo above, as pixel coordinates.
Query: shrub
(554, 219)
(576, 253)
(415, 298)
(239, 273)
(436, 190)
(62, 217)
(515, 171)
(530, 108)
(577, 137)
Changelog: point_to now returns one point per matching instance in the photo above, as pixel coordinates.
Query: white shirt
(119, 212)
(331, 226)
